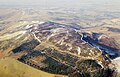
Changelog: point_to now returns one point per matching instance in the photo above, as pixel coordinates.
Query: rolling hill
(12, 68)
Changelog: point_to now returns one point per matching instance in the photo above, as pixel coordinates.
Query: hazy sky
(55, 2)
(65, 3)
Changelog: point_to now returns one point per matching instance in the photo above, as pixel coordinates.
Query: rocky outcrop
(116, 62)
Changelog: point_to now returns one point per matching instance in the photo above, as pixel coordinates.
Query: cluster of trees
(64, 58)
(82, 68)
(28, 46)
(56, 67)
(90, 68)
(53, 66)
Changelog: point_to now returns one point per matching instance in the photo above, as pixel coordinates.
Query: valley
(58, 42)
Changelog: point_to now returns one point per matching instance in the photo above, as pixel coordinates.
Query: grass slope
(13, 68)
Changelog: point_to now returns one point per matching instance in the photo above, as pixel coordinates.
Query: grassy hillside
(13, 68)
